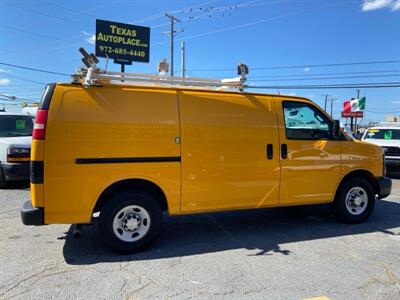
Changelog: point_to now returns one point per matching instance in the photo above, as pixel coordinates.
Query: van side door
(310, 157)
(230, 156)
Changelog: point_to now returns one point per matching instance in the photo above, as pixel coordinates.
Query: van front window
(383, 134)
(304, 122)
(12, 126)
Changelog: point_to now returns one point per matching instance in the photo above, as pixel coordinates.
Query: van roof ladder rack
(94, 76)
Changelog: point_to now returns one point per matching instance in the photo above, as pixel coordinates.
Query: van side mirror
(336, 128)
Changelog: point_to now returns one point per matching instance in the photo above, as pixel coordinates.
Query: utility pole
(183, 68)
(332, 99)
(172, 32)
(326, 100)
(355, 119)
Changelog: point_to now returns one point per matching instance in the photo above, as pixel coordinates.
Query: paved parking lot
(290, 253)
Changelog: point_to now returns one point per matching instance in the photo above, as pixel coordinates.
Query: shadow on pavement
(263, 231)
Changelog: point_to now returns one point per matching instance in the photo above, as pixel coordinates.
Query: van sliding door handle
(284, 151)
(270, 151)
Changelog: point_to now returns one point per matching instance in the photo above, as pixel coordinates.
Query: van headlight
(18, 154)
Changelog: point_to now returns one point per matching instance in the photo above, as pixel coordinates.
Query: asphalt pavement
(285, 253)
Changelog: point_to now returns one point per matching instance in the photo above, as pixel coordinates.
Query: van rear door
(98, 136)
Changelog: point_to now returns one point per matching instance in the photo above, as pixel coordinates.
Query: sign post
(124, 43)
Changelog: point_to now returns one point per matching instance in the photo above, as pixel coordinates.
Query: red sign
(352, 114)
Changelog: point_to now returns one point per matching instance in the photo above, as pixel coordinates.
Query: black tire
(115, 205)
(347, 213)
(3, 181)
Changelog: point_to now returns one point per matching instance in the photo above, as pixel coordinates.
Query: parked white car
(15, 147)
(388, 137)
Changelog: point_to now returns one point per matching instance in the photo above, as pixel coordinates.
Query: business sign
(122, 42)
(352, 114)
(353, 108)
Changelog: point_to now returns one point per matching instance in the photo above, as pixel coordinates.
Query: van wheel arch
(360, 174)
(132, 185)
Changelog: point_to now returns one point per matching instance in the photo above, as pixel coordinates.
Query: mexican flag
(357, 104)
(346, 106)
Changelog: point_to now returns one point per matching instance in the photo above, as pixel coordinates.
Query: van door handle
(284, 151)
(270, 151)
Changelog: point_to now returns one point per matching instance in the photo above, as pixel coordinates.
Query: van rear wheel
(354, 201)
(130, 221)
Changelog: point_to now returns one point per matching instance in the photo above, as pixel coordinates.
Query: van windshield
(383, 134)
(12, 126)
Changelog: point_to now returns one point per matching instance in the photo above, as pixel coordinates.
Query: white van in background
(15, 146)
(388, 137)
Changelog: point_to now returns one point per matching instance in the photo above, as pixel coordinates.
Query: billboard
(122, 42)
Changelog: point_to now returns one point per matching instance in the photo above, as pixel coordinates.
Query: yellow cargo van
(125, 154)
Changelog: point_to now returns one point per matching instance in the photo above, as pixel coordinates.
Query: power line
(303, 66)
(34, 33)
(34, 69)
(331, 86)
(324, 78)
(27, 79)
(69, 9)
(43, 14)
(222, 9)
(5, 97)
(160, 15)
(247, 25)
(325, 74)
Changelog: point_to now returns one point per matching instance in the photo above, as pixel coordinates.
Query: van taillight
(39, 128)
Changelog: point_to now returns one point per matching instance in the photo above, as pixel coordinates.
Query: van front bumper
(384, 186)
(392, 163)
(31, 215)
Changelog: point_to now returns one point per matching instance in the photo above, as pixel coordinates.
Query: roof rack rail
(92, 76)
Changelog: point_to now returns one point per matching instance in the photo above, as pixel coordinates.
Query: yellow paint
(312, 170)
(221, 138)
(224, 138)
(37, 195)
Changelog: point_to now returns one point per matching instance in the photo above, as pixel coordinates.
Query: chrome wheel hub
(131, 223)
(356, 200)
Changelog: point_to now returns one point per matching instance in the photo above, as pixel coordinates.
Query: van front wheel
(354, 201)
(130, 221)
